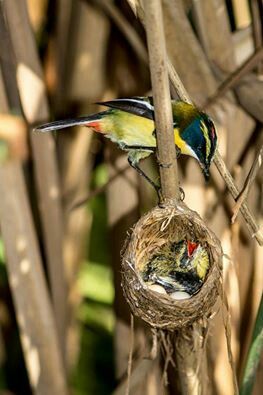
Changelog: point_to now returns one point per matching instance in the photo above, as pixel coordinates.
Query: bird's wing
(142, 106)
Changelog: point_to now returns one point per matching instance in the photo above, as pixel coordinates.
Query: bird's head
(201, 139)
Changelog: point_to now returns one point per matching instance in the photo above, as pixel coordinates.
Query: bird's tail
(92, 121)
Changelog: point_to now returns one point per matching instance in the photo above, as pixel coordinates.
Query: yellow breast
(179, 142)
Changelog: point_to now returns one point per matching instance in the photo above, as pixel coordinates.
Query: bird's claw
(182, 194)
(160, 196)
(177, 152)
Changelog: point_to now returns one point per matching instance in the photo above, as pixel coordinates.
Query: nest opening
(157, 231)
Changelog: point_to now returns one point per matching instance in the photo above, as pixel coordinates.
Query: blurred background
(69, 200)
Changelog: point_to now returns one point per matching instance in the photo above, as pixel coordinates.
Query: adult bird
(129, 122)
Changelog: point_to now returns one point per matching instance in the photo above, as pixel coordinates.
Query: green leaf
(254, 354)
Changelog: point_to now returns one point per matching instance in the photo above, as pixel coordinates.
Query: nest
(159, 227)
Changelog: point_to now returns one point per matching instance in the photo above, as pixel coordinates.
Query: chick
(178, 267)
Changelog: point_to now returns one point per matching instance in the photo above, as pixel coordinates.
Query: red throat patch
(191, 247)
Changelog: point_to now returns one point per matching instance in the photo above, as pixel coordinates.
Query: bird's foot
(182, 194)
(177, 151)
(160, 196)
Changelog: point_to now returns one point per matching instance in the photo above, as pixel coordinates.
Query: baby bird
(178, 267)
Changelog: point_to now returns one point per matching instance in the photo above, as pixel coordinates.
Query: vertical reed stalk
(162, 99)
(35, 108)
(29, 289)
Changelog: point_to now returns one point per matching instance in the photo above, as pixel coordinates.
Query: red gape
(191, 247)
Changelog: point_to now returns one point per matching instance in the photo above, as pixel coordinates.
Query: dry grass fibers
(152, 233)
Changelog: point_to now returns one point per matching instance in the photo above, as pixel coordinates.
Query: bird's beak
(206, 173)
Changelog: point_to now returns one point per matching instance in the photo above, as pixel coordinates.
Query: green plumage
(129, 122)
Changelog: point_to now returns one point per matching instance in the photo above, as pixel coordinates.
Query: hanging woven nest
(171, 228)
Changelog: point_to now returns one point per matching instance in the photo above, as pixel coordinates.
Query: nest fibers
(153, 231)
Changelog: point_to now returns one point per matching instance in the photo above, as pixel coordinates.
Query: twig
(135, 41)
(235, 77)
(95, 192)
(218, 160)
(248, 183)
(189, 346)
(256, 11)
(177, 83)
(162, 100)
(227, 326)
(125, 27)
(255, 231)
(154, 350)
(129, 369)
(142, 368)
(200, 24)
(167, 349)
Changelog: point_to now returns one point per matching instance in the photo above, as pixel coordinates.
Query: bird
(129, 122)
(177, 267)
